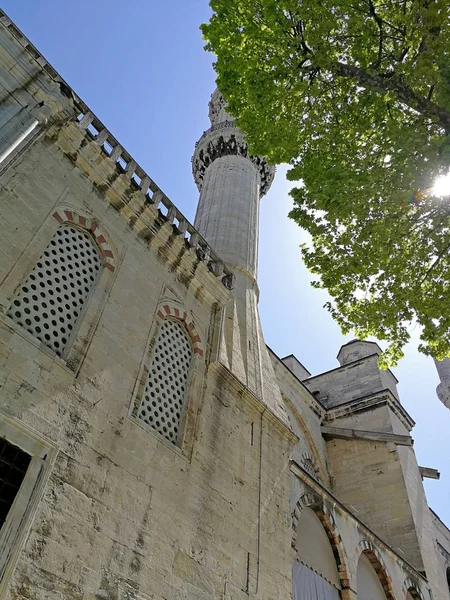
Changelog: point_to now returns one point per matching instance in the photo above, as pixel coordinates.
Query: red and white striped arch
(170, 310)
(63, 215)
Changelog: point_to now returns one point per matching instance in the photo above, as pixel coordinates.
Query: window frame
(150, 358)
(83, 333)
(14, 531)
(194, 382)
(72, 335)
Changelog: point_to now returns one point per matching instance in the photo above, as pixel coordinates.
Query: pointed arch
(172, 358)
(371, 552)
(316, 503)
(68, 215)
(306, 432)
(164, 399)
(414, 594)
(171, 310)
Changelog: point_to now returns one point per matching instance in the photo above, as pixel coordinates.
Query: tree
(355, 96)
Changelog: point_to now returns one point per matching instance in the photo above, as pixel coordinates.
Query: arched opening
(448, 579)
(315, 573)
(368, 583)
(51, 302)
(164, 399)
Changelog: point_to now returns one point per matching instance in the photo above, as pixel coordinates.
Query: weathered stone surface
(119, 512)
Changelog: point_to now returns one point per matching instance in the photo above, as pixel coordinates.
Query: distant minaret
(443, 389)
(231, 183)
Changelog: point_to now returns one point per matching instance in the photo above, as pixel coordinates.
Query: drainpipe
(20, 127)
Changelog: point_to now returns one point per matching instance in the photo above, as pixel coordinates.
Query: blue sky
(141, 67)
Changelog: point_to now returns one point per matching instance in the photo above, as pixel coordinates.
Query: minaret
(231, 183)
(443, 389)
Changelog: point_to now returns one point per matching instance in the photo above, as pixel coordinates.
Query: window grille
(51, 300)
(164, 395)
(13, 466)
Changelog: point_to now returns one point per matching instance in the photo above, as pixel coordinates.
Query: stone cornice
(368, 403)
(225, 139)
(352, 363)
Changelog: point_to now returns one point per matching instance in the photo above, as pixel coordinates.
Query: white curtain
(308, 585)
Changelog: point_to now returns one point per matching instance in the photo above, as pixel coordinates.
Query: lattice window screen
(51, 300)
(164, 395)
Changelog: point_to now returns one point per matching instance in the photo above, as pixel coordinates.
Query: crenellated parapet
(225, 139)
(53, 99)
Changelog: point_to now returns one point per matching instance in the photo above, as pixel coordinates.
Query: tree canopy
(355, 96)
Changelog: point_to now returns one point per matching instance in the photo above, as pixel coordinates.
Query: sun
(441, 187)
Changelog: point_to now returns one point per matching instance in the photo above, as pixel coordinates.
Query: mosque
(152, 447)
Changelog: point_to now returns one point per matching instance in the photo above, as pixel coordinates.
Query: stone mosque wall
(151, 447)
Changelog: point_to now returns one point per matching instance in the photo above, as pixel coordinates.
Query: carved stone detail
(226, 140)
(216, 104)
(309, 463)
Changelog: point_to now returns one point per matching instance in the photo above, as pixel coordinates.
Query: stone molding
(225, 139)
(309, 463)
(365, 403)
(315, 460)
(15, 531)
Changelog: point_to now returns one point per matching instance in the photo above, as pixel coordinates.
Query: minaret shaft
(231, 183)
(228, 211)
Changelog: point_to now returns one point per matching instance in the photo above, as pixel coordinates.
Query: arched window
(368, 584)
(315, 574)
(50, 302)
(448, 578)
(163, 401)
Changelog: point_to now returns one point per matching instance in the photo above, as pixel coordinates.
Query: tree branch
(435, 263)
(379, 22)
(404, 93)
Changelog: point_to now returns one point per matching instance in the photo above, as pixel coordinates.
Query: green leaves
(355, 96)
